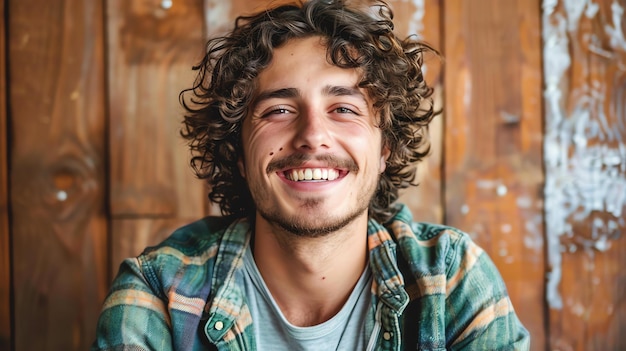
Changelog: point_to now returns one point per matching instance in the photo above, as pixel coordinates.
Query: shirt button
(387, 335)
(219, 325)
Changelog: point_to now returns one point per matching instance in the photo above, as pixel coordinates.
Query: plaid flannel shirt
(433, 289)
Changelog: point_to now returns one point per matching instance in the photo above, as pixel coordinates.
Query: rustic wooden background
(529, 156)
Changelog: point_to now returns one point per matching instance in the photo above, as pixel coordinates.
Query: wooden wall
(584, 58)
(529, 156)
(493, 127)
(5, 259)
(57, 171)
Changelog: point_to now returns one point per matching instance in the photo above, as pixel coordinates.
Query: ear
(384, 156)
(242, 167)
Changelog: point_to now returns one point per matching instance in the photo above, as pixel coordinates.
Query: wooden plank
(5, 251)
(585, 162)
(57, 169)
(152, 47)
(493, 132)
(422, 18)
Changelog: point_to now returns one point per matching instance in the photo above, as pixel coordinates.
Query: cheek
(377, 154)
(269, 138)
(260, 146)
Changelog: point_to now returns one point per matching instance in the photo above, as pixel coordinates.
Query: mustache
(299, 159)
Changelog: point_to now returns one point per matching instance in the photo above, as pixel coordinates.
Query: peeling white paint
(465, 209)
(416, 25)
(217, 16)
(486, 184)
(502, 190)
(494, 185)
(524, 202)
(534, 229)
(506, 228)
(584, 154)
(615, 32)
(166, 4)
(574, 10)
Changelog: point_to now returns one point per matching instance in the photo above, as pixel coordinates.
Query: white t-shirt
(272, 331)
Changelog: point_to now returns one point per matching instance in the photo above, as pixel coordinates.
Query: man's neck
(310, 278)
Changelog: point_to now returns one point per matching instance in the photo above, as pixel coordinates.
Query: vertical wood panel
(152, 46)
(5, 252)
(422, 18)
(493, 167)
(493, 144)
(57, 171)
(585, 161)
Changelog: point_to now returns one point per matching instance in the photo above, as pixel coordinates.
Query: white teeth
(332, 174)
(317, 174)
(312, 174)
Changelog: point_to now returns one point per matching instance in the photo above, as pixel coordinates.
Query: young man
(306, 120)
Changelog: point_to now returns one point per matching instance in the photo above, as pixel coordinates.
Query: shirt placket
(392, 297)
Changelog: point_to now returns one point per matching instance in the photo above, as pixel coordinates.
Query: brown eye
(277, 111)
(345, 110)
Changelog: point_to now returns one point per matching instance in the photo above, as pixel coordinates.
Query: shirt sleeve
(133, 316)
(479, 313)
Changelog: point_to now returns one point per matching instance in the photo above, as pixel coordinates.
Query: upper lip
(311, 166)
(300, 161)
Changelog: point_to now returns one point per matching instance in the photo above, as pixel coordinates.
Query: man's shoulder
(194, 238)
(185, 258)
(434, 248)
(443, 240)
(192, 245)
(426, 231)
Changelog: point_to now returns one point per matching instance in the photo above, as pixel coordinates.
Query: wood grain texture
(151, 50)
(585, 161)
(493, 128)
(491, 141)
(57, 171)
(422, 18)
(5, 250)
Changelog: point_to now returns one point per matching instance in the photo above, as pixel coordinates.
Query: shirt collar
(388, 282)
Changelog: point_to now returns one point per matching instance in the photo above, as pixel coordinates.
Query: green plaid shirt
(433, 289)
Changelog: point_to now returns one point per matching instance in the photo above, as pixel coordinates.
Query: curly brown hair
(360, 38)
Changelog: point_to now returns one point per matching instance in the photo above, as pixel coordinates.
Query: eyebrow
(328, 90)
(279, 93)
(333, 90)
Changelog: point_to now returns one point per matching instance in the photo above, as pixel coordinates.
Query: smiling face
(312, 149)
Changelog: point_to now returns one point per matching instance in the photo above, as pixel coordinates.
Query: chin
(311, 222)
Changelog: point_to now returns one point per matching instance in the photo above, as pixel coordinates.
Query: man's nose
(312, 131)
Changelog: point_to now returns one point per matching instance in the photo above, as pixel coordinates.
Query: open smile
(313, 174)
